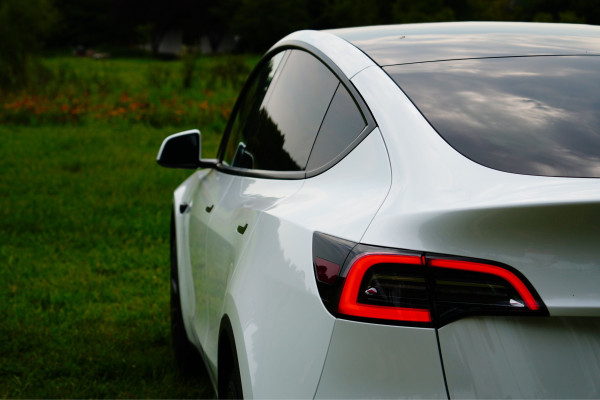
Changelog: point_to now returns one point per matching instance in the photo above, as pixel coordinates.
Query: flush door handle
(242, 229)
(183, 207)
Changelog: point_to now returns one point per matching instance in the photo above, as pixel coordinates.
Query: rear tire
(187, 358)
(234, 385)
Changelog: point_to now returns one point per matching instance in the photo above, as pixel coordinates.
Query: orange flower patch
(139, 107)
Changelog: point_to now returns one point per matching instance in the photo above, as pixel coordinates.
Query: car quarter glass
(343, 123)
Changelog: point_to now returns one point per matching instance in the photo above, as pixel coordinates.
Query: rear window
(526, 115)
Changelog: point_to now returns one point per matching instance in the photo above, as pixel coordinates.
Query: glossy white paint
(368, 360)
(358, 184)
(279, 315)
(534, 358)
(186, 288)
(282, 327)
(208, 196)
(245, 200)
(347, 57)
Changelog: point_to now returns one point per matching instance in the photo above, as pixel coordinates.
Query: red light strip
(505, 274)
(348, 300)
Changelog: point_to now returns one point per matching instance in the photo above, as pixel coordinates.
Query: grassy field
(84, 222)
(195, 91)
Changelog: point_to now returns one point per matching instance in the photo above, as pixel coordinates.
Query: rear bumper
(380, 361)
(552, 357)
(483, 357)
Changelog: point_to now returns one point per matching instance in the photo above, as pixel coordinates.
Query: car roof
(413, 43)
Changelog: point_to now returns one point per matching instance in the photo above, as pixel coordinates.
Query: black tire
(234, 385)
(187, 358)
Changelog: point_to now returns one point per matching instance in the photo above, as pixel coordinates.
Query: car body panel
(277, 315)
(183, 195)
(284, 288)
(207, 194)
(231, 228)
(370, 360)
(360, 184)
(550, 358)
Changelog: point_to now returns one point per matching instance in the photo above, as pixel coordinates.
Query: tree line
(257, 23)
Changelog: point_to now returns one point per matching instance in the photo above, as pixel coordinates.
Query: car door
(267, 159)
(210, 188)
(209, 197)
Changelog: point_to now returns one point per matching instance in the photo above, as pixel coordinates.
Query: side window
(246, 120)
(280, 132)
(343, 123)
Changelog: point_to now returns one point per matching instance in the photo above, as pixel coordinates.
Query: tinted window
(283, 129)
(527, 115)
(343, 123)
(246, 119)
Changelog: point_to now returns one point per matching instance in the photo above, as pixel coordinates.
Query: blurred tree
(165, 15)
(86, 23)
(217, 21)
(405, 11)
(23, 27)
(151, 20)
(574, 11)
(260, 23)
(491, 10)
(124, 23)
(345, 13)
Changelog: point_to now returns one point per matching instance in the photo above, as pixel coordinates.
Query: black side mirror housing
(183, 150)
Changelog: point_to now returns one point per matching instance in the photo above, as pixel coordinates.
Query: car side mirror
(183, 150)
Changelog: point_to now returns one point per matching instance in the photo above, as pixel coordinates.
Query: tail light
(363, 283)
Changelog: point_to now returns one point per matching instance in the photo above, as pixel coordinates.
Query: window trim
(343, 80)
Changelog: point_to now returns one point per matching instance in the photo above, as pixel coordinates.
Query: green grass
(84, 221)
(84, 230)
(196, 91)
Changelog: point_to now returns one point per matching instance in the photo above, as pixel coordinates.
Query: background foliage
(84, 222)
(23, 24)
(258, 23)
(123, 25)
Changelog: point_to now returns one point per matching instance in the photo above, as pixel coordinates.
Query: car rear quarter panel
(281, 328)
(382, 361)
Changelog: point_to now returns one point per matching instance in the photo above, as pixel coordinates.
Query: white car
(398, 211)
